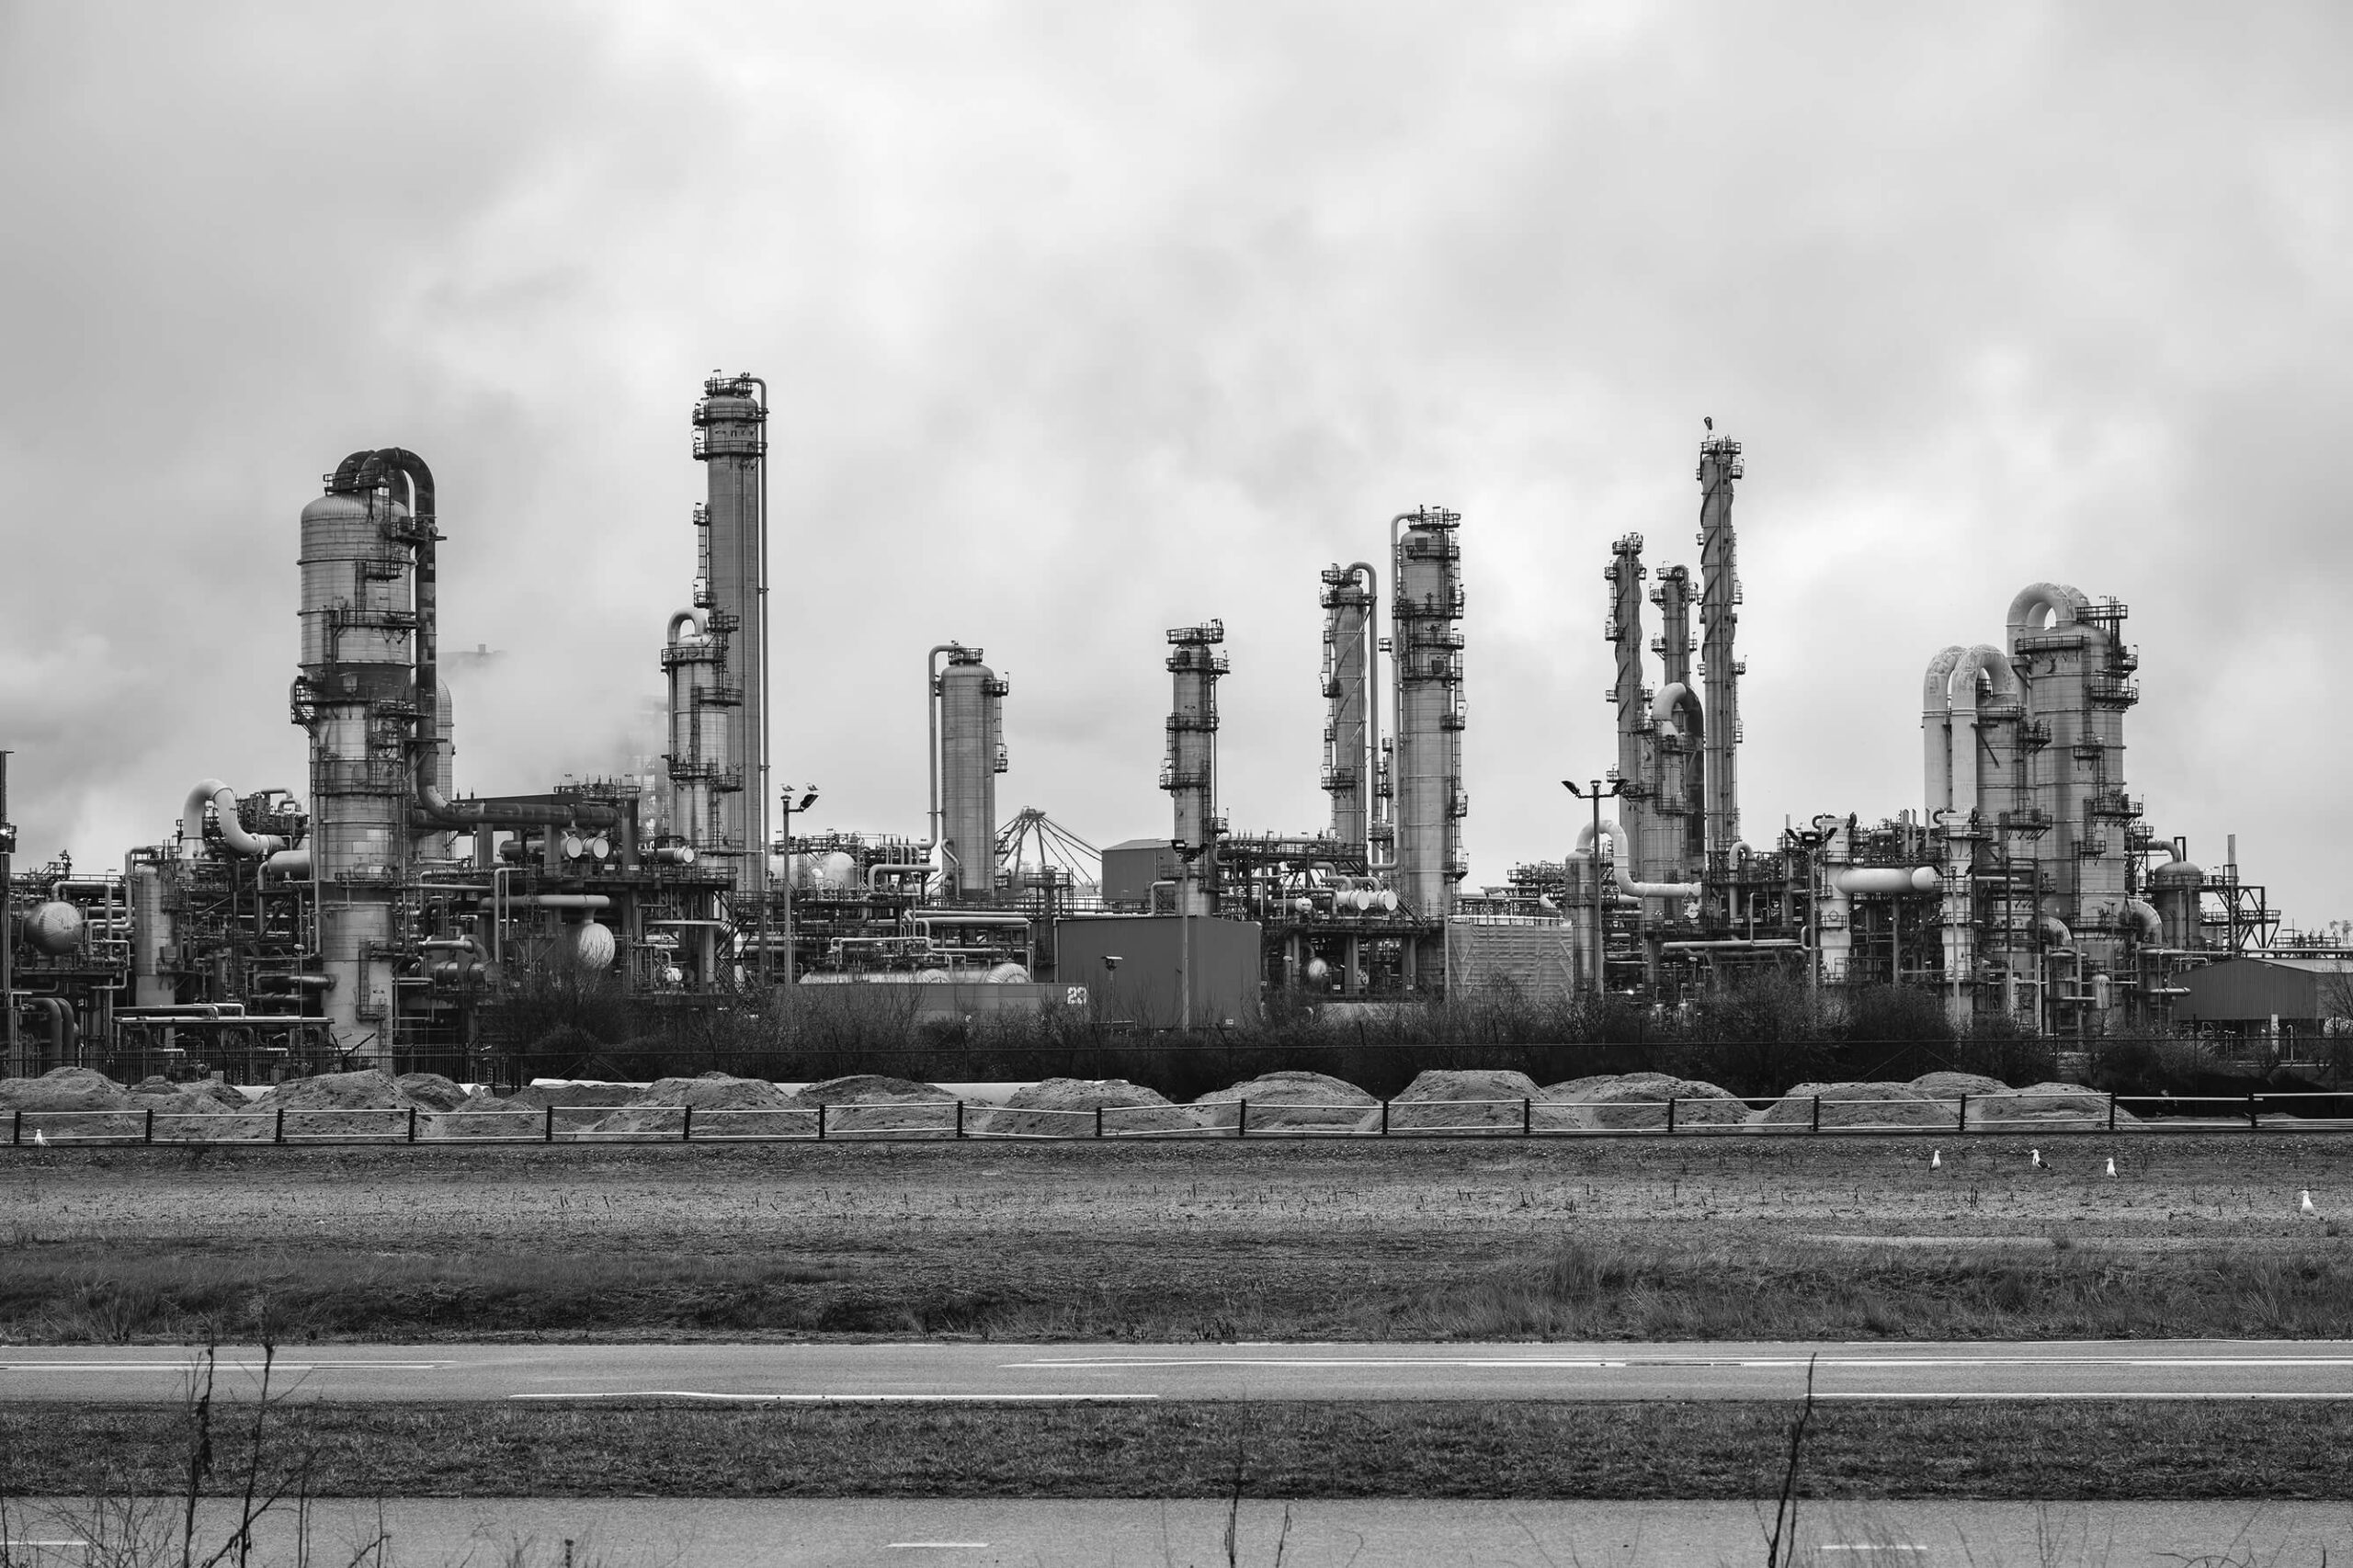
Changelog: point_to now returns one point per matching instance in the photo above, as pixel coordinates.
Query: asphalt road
(920, 1373)
(766, 1533)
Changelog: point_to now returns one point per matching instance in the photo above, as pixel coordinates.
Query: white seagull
(2304, 1206)
(2036, 1155)
(1936, 1159)
(2111, 1165)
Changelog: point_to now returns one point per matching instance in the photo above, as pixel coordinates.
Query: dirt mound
(871, 1102)
(483, 1115)
(1292, 1101)
(1455, 1100)
(2044, 1105)
(431, 1090)
(723, 1108)
(1952, 1085)
(1638, 1100)
(564, 1096)
(367, 1104)
(63, 1089)
(1129, 1109)
(1856, 1105)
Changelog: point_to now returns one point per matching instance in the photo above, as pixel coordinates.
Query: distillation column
(356, 697)
(694, 661)
(1721, 670)
(1677, 783)
(730, 441)
(1351, 720)
(1190, 773)
(1623, 629)
(1426, 648)
(972, 754)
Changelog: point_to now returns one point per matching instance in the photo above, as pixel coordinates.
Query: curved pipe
(65, 1031)
(2056, 929)
(931, 730)
(1936, 727)
(1675, 699)
(895, 866)
(2143, 915)
(289, 862)
(212, 792)
(697, 618)
(1624, 878)
(1372, 701)
(1994, 665)
(2064, 602)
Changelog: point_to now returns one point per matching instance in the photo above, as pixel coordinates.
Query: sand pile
(1460, 1100)
(723, 1108)
(366, 1104)
(1858, 1105)
(869, 1102)
(1129, 1109)
(1290, 1101)
(482, 1116)
(2044, 1105)
(1952, 1085)
(431, 1090)
(63, 1089)
(567, 1095)
(1636, 1100)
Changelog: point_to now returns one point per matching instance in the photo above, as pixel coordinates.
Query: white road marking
(935, 1546)
(850, 1398)
(1845, 1546)
(224, 1366)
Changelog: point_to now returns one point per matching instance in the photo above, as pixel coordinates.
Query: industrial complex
(378, 920)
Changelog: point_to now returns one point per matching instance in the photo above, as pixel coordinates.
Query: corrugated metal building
(2244, 996)
(1162, 957)
(1130, 869)
(1533, 958)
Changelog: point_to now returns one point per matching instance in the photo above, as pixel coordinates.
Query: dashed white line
(851, 1398)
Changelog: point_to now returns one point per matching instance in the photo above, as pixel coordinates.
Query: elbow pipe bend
(2140, 913)
(212, 792)
(699, 620)
(2064, 602)
(1935, 687)
(1985, 659)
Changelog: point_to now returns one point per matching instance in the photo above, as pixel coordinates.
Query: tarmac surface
(920, 1373)
(734, 1533)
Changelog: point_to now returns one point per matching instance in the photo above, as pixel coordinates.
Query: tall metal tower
(1190, 775)
(1352, 698)
(972, 754)
(1721, 670)
(1427, 649)
(730, 441)
(1624, 630)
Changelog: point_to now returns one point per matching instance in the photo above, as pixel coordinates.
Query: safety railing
(2051, 1112)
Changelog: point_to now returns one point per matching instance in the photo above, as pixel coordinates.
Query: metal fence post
(2111, 1110)
(16, 1128)
(1815, 1125)
(1242, 1118)
(1098, 1122)
(412, 1124)
(547, 1133)
(821, 1121)
(1384, 1119)
(150, 1136)
(1670, 1113)
(277, 1128)
(1527, 1117)
(686, 1126)
(1963, 1125)
(2251, 1123)
(960, 1118)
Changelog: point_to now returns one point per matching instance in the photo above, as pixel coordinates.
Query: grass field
(1786, 1238)
(2073, 1452)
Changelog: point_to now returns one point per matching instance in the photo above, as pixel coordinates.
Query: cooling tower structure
(1189, 774)
(1720, 669)
(968, 752)
(728, 776)
(1351, 598)
(1426, 772)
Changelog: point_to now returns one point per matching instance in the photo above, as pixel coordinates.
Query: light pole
(808, 798)
(1596, 794)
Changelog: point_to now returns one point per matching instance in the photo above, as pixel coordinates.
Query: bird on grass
(40, 1139)
(1936, 1159)
(2111, 1165)
(2034, 1156)
(2304, 1205)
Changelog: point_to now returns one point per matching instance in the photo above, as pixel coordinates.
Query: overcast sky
(1085, 321)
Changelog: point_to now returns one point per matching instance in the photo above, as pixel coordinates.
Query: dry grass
(2091, 1451)
(2197, 1236)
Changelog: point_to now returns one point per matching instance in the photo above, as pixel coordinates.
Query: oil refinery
(380, 917)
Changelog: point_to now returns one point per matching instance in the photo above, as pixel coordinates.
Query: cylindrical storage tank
(2174, 888)
(590, 946)
(53, 928)
(969, 726)
(151, 938)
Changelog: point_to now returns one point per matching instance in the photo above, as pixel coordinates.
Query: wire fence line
(934, 1120)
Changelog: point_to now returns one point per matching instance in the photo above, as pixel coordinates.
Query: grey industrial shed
(2246, 995)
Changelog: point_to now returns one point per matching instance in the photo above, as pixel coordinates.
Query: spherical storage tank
(54, 928)
(592, 945)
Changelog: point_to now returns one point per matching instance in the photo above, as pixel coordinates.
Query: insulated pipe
(1889, 879)
(2145, 916)
(2056, 929)
(289, 862)
(569, 900)
(1620, 875)
(675, 855)
(2063, 604)
(901, 867)
(931, 725)
(1372, 759)
(1935, 728)
(694, 617)
(296, 981)
(1994, 665)
(212, 792)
